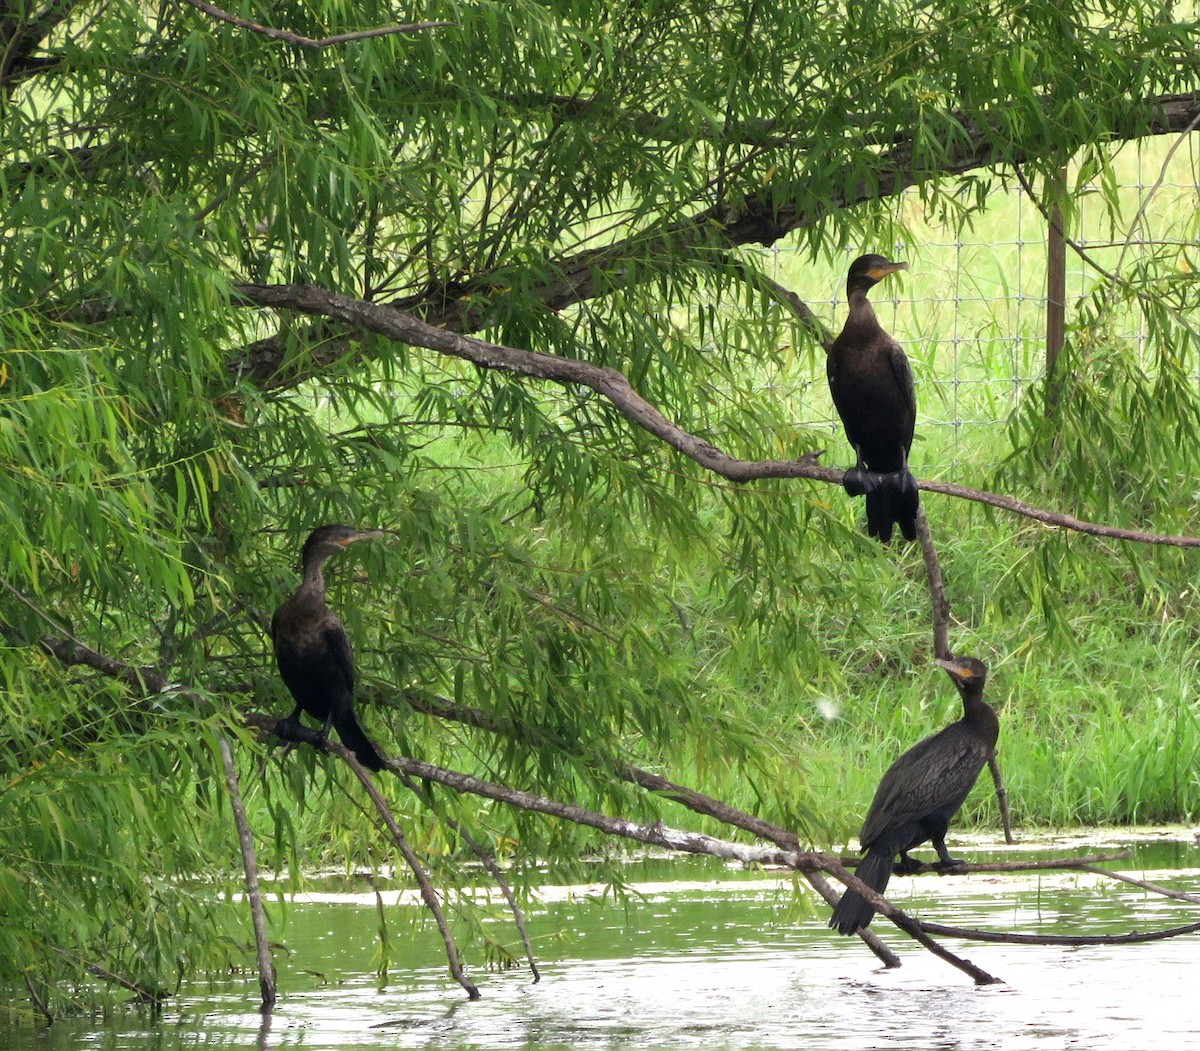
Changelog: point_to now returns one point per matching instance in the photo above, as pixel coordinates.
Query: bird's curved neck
(314, 577)
(859, 303)
(977, 711)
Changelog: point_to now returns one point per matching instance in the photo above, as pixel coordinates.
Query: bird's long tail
(354, 738)
(893, 500)
(853, 911)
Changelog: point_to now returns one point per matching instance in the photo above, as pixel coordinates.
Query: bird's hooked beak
(958, 672)
(878, 273)
(365, 534)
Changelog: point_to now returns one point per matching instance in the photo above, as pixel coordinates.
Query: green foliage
(570, 177)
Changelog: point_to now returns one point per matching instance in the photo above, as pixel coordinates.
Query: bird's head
(967, 672)
(868, 270)
(330, 539)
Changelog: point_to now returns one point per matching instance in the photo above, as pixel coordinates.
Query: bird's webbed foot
(854, 481)
(907, 865)
(945, 859)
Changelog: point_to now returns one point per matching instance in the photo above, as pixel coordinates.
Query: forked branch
(393, 323)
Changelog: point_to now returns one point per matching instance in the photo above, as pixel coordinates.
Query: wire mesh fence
(971, 312)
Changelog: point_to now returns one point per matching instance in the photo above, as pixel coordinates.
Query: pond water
(710, 958)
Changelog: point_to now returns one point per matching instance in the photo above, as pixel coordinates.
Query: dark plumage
(872, 388)
(313, 651)
(921, 792)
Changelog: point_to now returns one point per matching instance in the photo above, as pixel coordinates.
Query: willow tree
(242, 254)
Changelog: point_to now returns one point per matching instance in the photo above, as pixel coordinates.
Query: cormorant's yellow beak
(366, 534)
(878, 273)
(958, 671)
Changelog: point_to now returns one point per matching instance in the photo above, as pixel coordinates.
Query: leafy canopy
(581, 178)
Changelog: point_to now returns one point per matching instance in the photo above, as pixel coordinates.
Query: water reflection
(721, 965)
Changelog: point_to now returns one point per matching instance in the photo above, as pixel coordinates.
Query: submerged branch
(869, 938)
(144, 993)
(1132, 938)
(393, 323)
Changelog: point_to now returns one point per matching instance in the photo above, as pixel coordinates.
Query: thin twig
(1155, 888)
(1001, 797)
(288, 37)
(940, 615)
(488, 860)
(939, 604)
(783, 295)
(428, 892)
(39, 1004)
(266, 967)
(393, 323)
(972, 867)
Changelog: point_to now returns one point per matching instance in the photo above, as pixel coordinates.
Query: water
(726, 962)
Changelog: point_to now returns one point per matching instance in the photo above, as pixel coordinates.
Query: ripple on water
(719, 966)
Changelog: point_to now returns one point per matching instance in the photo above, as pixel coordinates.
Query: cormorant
(313, 651)
(921, 792)
(872, 388)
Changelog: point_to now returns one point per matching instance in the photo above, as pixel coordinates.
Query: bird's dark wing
(935, 773)
(902, 373)
(340, 652)
(831, 374)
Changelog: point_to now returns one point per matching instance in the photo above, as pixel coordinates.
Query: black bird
(872, 388)
(921, 792)
(313, 651)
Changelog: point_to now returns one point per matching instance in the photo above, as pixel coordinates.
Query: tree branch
(428, 892)
(659, 835)
(1132, 938)
(757, 218)
(488, 860)
(296, 39)
(266, 967)
(72, 652)
(385, 320)
(1154, 888)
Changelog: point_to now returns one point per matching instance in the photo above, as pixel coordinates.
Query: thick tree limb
(756, 219)
(19, 39)
(388, 321)
(288, 37)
